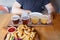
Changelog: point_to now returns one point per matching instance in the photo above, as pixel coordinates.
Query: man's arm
(16, 9)
(50, 8)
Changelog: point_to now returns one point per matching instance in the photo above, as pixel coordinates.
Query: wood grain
(49, 32)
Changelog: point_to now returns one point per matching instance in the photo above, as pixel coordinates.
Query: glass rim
(15, 17)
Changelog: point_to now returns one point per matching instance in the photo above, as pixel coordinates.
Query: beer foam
(37, 14)
(15, 17)
(25, 16)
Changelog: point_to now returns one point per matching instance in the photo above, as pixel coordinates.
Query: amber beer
(44, 19)
(25, 19)
(15, 19)
(34, 19)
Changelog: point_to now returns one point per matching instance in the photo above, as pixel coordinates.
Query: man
(28, 6)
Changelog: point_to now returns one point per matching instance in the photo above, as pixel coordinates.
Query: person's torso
(33, 5)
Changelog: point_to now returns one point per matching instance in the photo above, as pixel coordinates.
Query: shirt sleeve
(45, 2)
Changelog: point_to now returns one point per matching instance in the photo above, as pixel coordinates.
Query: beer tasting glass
(25, 18)
(35, 16)
(15, 19)
(45, 19)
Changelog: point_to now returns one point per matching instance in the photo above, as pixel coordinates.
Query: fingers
(28, 11)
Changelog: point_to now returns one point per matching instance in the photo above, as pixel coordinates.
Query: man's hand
(27, 11)
(50, 8)
(17, 10)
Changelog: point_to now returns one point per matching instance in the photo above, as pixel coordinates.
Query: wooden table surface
(49, 32)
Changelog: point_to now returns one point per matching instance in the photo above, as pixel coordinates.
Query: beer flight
(34, 18)
(21, 28)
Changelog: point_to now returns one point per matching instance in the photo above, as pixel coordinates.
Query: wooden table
(50, 32)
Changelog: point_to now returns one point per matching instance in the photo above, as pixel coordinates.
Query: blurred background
(56, 4)
(9, 4)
